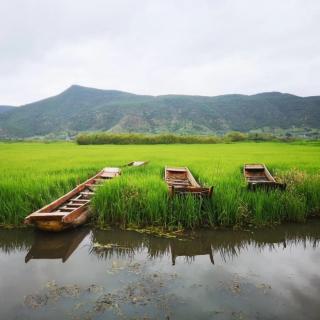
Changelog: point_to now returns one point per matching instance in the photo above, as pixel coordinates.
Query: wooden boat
(60, 246)
(257, 175)
(137, 163)
(181, 181)
(72, 209)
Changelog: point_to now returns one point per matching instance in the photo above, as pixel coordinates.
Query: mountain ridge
(79, 109)
(5, 108)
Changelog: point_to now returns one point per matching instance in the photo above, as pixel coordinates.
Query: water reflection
(265, 274)
(125, 244)
(15, 240)
(226, 243)
(56, 246)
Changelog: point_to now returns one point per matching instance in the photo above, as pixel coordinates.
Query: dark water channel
(92, 274)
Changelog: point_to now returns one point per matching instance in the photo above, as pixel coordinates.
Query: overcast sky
(205, 47)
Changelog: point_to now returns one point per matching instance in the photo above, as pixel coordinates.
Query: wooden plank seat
(87, 193)
(73, 205)
(67, 209)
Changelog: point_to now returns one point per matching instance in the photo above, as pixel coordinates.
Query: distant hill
(85, 109)
(5, 108)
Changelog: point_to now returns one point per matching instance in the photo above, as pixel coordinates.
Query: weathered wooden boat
(72, 209)
(257, 175)
(137, 163)
(180, 181)
(60, 246)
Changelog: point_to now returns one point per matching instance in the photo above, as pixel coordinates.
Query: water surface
(94, 274)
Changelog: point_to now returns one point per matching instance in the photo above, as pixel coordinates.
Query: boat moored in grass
(180, 181)
(257, 175)
(72, 209)
(137, 163)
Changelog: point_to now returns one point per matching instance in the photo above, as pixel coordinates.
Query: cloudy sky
(205, 47)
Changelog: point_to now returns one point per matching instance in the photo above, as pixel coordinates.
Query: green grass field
(33, 174)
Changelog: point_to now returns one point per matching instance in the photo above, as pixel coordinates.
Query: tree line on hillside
(136, 138)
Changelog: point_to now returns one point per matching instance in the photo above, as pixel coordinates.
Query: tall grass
(33, 174)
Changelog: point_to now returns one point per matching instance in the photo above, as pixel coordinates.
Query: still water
(94, 274)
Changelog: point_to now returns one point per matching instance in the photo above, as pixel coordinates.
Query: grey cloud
(173, 46)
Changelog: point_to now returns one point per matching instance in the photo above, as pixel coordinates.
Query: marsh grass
(33, 174)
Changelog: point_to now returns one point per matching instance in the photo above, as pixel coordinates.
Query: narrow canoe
(137, 163)
(72, 209)
(257, 175)
(180, 181)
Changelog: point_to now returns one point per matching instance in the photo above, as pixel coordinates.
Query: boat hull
(59, 225)
(52, 226)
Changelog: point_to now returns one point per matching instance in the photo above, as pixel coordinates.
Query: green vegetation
(81, 109)
(138, 138)
(33, 174)
(5, 109)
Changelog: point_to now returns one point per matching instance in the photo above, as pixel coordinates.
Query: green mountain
(85, 109)
(5, 108)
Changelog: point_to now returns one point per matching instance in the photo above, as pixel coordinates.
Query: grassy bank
(32, 174)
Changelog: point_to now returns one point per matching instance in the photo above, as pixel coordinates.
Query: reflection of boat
(72, 209)
(112, 244)
(137, 163)
(257, 175)
(181, 181)
(127, 243)
(190, 249)
(58, 246)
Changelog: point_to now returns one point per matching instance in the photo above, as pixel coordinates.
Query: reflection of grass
(33, 174)
(15, 240)
(225, 243)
